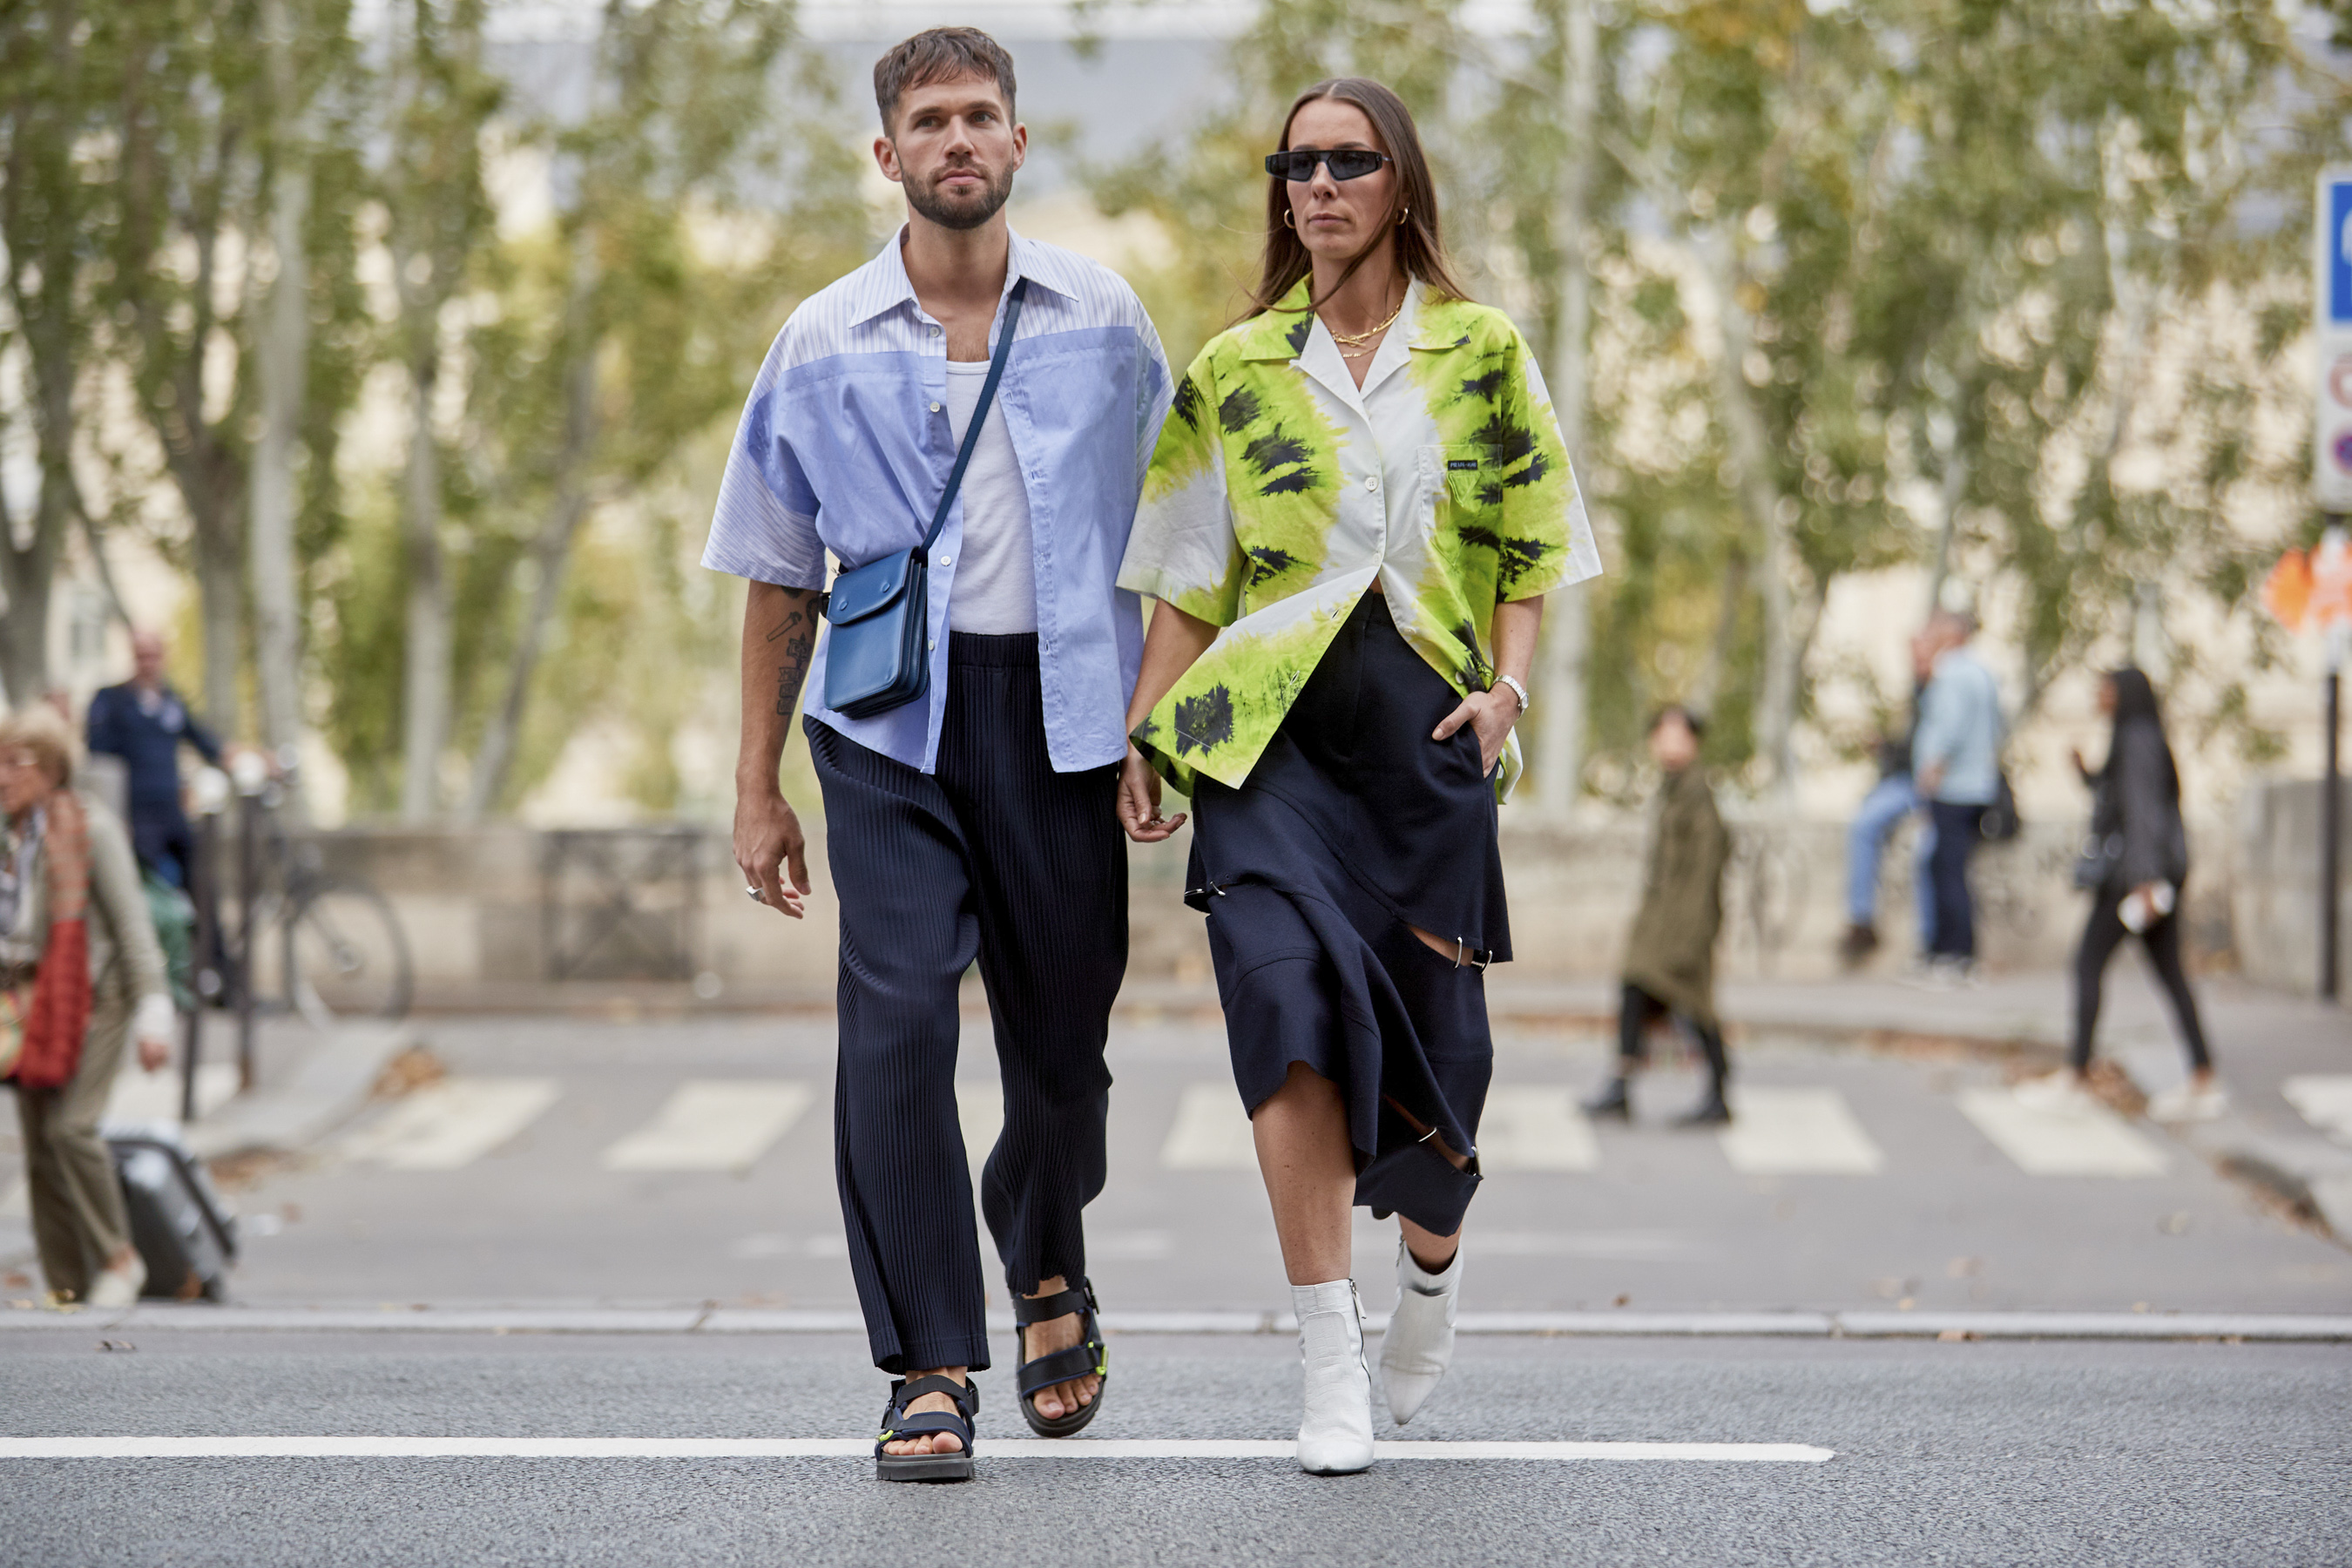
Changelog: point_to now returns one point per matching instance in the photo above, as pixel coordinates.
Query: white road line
(979, 1110)
(155, 1096)
(1796, 1131)
(2324, 1099)
(712, 1124)
(1536, 1128)
(859, 1448)
(2090, 1141)
(452, 1123)
(1212, 1131)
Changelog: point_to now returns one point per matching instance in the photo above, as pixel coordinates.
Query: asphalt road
(571, 1186)
(1981, 1453)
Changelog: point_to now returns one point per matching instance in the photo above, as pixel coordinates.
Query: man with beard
(978, 819)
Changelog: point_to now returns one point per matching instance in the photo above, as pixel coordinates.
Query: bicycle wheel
(346, 956)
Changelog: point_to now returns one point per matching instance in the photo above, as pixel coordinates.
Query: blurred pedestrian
(1892, 799)
(145, 722)
(1355, 511)
(1670, 952)
(2135, 864)
(978, 817)
(81, 977)
(1957, 752)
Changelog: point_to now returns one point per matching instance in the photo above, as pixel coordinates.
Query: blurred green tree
(703, 185)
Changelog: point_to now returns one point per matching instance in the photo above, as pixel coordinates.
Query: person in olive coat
(1670, 953)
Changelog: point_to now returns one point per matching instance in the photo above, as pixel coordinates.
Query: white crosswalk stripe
(1534, 1128)
(2324, 1099)
(712, 1124)
(1779, 1131)
(2083, 1141)
(449, 1124)
(1212, 1133)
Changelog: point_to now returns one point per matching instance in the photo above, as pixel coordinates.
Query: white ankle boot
(1419, 1346)
(119, 1287)
(1335, 1435)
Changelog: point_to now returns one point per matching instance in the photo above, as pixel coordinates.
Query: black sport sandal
(1089, 1358)
(898, 1425)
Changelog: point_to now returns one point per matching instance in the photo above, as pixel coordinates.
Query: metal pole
(2331, 839)
(203, 978)
(248, 895)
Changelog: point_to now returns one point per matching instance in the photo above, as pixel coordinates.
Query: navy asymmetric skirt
(1354, 826)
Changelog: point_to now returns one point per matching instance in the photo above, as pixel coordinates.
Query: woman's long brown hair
(1420, 241)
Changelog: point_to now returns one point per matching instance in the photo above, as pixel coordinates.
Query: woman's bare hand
(1139, 802)
(1492, 715)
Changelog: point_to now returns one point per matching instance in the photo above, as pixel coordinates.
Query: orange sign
(2312, 586)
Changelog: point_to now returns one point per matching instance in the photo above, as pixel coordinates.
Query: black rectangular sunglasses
(1347, 163)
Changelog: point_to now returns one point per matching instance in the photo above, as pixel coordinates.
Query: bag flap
(871, 588)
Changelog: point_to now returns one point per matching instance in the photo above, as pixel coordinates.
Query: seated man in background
(1892, 799)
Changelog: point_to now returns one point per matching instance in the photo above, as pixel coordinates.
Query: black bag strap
(979, 414)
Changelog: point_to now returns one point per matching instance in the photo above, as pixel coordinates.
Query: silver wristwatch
(1501, 679)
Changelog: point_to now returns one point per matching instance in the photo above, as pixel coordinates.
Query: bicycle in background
(323, 945)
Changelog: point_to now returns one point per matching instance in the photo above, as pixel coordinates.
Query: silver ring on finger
(757, 897)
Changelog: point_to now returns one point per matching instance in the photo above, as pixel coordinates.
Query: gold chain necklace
(1347, 341)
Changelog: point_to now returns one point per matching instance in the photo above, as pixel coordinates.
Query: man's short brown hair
(40, 734)
(939, 54)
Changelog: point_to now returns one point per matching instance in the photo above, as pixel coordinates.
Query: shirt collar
(1430, 321)
(882, 284)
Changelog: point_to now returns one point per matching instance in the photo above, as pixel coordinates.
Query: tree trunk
(425, 687)
(1760, 497)
(550, 549)
(25, 575)
(283, 358)
(1568, 638)
(220, 598)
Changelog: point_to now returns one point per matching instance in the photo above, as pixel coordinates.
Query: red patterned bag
(58, 1016)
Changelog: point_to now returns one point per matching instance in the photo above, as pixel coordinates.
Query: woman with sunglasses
(1357, 504)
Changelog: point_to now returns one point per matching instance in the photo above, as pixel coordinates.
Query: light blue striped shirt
(1960, 730)
(844, 448)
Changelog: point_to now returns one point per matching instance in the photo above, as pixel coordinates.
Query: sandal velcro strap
(898, 1425)
(1060, 1366)
(907, 1391)
(1060, 1304)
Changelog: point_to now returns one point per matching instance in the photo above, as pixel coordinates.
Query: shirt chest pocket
(1462, 485)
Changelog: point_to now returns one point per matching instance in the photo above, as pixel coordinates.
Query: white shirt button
(936, 331)
(1372, 482)
(935, 408)
(947, 560)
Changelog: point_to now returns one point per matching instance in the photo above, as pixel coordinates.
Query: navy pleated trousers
(994, 856)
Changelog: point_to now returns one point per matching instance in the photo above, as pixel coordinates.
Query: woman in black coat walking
(2134, 863)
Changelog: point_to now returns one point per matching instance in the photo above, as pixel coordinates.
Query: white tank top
(995, 586)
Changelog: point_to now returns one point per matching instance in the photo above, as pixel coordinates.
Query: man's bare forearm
(779, 636)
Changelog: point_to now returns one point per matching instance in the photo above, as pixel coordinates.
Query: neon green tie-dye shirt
(1279, 491)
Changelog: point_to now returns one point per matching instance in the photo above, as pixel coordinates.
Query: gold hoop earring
(1289, 220)
(1403, 215)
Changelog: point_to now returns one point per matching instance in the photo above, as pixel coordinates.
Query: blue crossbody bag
(879, 655)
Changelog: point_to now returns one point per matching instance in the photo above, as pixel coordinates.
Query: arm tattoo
(791, 672)
(798, 628)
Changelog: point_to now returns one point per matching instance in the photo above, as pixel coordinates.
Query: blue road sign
(2338, 209)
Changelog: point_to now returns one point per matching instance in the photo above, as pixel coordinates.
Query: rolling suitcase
(184, 1233)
